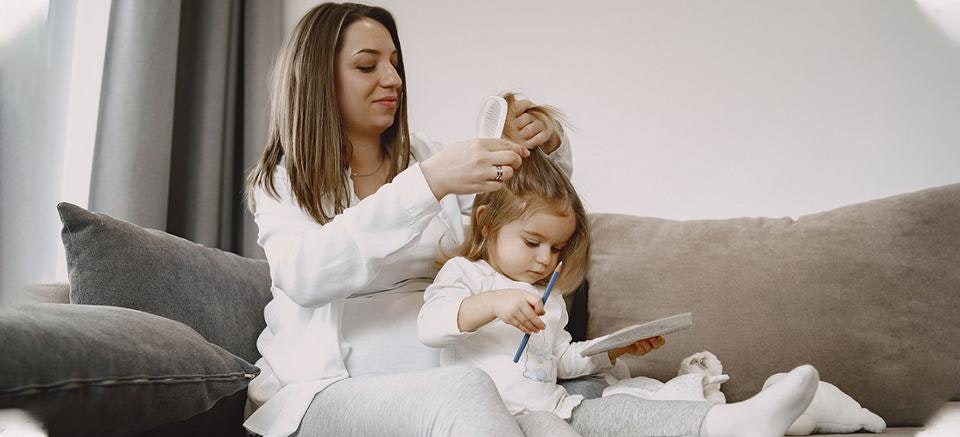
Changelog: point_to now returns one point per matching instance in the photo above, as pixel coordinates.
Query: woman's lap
(463, 401)
(434, 402)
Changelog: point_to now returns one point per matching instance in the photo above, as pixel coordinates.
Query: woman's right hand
(517, 308)
(470, 166)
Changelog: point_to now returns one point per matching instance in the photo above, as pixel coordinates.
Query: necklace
(357, 175)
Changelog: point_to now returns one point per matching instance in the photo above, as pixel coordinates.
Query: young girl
(484, 300)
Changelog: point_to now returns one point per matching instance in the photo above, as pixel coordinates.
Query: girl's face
(368, 85)
(528, 250)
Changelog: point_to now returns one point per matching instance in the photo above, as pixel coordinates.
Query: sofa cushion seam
(72, 384)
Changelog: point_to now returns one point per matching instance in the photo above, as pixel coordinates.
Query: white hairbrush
(493, 115)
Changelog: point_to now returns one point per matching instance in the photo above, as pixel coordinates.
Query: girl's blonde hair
(305, 122)
(539, 185)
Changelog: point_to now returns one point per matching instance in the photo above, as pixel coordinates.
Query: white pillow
(382, 333)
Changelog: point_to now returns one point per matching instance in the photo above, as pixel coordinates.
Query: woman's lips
(387, 103)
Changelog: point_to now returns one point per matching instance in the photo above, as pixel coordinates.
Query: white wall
(706, 108)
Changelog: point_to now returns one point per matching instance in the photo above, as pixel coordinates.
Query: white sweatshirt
(388, 241)
(530, 384)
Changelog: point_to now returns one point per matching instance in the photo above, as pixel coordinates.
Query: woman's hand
(472, 166)
(535, 130)
(517, 308)
(639, 348)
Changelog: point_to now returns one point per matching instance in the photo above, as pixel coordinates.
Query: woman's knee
(464, 382)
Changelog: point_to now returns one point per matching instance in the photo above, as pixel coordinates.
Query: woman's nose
(391, 78)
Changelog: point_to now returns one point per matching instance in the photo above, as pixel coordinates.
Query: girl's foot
(768, 413)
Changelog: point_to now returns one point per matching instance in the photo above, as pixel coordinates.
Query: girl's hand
(517, 308)
(535, 130)
(639, 348)
(472, 166)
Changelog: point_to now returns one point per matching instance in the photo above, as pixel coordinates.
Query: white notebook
(634, 333)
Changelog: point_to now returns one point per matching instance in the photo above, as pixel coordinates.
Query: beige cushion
(868, 293)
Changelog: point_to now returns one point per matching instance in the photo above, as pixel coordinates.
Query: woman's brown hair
(305, 122)
(539, 185)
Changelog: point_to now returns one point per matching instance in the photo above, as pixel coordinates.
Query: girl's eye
(365, 69)
(556, 249)
(531, 243)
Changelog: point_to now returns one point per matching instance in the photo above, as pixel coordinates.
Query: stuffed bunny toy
(698, 379)
(707, 364)
(831, 412)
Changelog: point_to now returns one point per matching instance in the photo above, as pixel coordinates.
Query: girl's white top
(530, 384)
(382, 245)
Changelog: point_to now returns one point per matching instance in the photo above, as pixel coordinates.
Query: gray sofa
(159, 333)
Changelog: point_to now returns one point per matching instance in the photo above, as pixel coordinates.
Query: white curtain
(36, 59)
(90, 114)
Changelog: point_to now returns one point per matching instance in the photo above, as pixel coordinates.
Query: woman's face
(368, 85)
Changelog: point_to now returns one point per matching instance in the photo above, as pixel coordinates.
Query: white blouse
(380, 251)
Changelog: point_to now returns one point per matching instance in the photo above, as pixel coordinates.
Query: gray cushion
(217, 293)
(867, 293)
(97, 370)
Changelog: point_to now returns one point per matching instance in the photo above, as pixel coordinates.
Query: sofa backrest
(867, 293)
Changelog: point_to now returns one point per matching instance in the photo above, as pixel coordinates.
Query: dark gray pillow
(217, 293)
(97, 370)
(868, 293)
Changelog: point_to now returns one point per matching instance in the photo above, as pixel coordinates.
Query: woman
(348, 204)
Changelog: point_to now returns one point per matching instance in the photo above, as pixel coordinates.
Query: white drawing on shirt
(538, 361)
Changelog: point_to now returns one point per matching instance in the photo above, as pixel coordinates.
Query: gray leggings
(463, 401)
(620, 415)
(446, 401)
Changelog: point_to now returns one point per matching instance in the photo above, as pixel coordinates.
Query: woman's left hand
(639, 348)
(533, 129)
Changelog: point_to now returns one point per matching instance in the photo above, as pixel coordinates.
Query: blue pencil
(546, 295)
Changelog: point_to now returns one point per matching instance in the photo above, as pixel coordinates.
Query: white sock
(768, 413)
